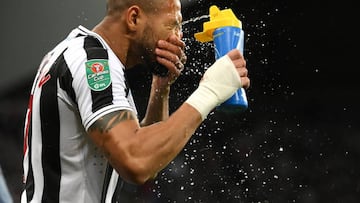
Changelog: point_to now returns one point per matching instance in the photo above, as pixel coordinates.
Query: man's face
(160, 25)
(167, 20)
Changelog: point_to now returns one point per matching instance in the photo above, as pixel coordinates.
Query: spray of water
(192, 20)
(240, 164)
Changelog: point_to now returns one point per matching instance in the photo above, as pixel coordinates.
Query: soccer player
(82, 137)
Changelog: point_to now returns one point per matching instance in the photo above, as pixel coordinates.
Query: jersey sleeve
(100, 86)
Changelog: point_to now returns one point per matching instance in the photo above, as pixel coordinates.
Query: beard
(145, 52)
(145, 47)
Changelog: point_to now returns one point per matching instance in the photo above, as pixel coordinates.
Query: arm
(170, 55)
(139, 153)
(158, 105)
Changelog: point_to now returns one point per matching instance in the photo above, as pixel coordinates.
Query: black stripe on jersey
(66, 80)
(50, 133)
(127, 89)
(108, 173)
(80, 35)
(95, 50)
(117, 195)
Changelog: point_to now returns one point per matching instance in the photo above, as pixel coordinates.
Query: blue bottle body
(226, 39)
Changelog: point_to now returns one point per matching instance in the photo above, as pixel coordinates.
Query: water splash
(198, 171)
(192, 20)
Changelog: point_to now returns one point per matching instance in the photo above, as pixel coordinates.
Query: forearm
(166, 139)
(157, 145)
(139, 153)
(158, 104)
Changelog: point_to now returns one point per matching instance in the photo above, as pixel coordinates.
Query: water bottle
(225, 30)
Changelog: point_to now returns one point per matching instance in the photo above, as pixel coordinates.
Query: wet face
(161, 24)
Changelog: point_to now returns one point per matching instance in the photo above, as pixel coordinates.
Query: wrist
(160, 86)
(203, 100)
(219, 83)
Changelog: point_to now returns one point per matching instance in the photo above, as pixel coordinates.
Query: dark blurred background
(299, 141)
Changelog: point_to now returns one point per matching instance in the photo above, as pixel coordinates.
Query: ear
(132, 17)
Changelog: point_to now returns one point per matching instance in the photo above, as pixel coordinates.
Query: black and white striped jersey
(79, 81)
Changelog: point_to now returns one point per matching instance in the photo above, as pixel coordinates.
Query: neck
(113, 33)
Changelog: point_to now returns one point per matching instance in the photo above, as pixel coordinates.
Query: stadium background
(298, 142)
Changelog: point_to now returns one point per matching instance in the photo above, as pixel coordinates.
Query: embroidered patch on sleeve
(98, 74)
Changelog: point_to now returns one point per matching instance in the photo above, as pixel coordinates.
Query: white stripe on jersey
(112, 186)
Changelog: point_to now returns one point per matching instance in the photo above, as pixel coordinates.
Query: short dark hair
(113, 6)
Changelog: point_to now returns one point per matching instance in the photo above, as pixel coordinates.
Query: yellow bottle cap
(218, 19)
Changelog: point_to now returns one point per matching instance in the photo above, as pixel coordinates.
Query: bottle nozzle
(218, 18)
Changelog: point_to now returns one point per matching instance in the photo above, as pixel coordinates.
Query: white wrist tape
(218, 84)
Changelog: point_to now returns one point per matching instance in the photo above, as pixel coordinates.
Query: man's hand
(170, 54)
(240, 65)
(220, 82)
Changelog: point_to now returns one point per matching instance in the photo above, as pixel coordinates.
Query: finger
(245, 82)
(169, 65)
(178, 50)
(176, 41)
(239, 63)
(243, 72)
(235, 54)
(167, 55)
(183, 57)
(179, 64)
